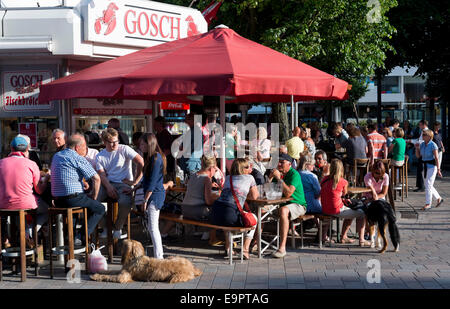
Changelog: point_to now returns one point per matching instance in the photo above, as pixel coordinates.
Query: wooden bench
(321, 217)
(233, 232)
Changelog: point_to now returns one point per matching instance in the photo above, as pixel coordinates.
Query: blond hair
(208, 162)
(336, 171)
(429, 133)
(109, 133)
(239, 165)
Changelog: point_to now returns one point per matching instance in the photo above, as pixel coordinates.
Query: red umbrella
(217, 63)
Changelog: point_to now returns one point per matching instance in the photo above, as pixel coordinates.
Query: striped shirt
(377, 141)
(67, 171)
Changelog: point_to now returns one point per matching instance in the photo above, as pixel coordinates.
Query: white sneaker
(77, 241)
(205, 236)
(117, 234)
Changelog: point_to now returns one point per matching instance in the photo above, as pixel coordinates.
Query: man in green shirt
(291, 183)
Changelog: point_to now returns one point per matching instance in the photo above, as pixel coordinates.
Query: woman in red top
(333, 187)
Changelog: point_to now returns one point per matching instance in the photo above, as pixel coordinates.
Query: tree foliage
(422, 40)
(345, 38)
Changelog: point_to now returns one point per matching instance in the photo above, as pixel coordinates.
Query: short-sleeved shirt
(437, 139)
(117, 164)
(68, 170)
(330, 198)
(263, 146)
(295, 146)
(293, 178)
(91, 156)
(18, 177)
(195, 191)
(355, 148)
(241, 186)
(426, 150)
(230, 142)
(398, 153)
(369, 180)
(377, 141)
(342, 137)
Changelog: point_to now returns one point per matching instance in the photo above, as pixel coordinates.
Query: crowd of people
(315, 182)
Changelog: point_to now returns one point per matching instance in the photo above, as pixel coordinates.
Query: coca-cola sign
(21, 91)
(168, 105)
(140, 23)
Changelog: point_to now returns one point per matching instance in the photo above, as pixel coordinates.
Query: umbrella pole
(222, 124)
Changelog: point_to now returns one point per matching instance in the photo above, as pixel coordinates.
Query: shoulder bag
(247, 217)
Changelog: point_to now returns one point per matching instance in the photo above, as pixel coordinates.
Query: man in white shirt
(114, 165)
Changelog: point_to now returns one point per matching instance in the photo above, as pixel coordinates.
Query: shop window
(390, 84)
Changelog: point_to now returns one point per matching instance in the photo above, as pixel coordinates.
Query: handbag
(247, 217)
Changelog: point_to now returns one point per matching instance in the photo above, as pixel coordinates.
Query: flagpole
(193, 1)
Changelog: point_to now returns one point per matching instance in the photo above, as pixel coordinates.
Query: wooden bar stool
(401, 179)
(68, 249)
(21, 251)
(111, 217)
(293, 224)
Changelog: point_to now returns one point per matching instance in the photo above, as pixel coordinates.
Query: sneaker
(278, 254)
(77, 241)
(117, 234)
(205, 236)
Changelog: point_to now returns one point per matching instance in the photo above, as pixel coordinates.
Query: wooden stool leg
(301, 232)
(70, 234)
(35, 236)
(129, 227)
(23, 259)
(86, 237)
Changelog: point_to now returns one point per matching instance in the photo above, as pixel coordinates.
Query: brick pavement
(422, 262)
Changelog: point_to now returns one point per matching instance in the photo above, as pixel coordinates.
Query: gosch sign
(140, 23)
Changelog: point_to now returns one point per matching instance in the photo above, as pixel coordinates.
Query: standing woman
(154, 193)
(428, 150)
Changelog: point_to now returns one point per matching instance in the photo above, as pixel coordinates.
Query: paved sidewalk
(422, 262)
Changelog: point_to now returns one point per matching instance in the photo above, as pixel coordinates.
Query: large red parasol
(217, 63)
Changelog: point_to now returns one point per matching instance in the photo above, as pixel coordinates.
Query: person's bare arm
(436, 159)
(209, 197)
(42, 184)
(96, 182)
(253, 193)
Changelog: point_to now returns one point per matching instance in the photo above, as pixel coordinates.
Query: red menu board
(30, 129)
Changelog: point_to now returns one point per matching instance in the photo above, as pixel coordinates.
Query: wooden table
(273, 205)
(179, 192)
(358, 190)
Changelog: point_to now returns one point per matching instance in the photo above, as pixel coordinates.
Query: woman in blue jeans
(154, 192)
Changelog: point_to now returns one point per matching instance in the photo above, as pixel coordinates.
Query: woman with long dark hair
(154, 192)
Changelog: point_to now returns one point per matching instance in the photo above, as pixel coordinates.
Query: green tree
(345, 38)
(422, 41)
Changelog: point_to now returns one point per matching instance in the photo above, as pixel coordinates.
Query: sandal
(365, 243)
(426, 207)
(347, 241)
(246, 255)
(439, 203)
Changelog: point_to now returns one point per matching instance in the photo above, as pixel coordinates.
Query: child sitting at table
(333, 188)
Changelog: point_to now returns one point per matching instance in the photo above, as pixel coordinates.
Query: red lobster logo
(108, 18)
(192, 27)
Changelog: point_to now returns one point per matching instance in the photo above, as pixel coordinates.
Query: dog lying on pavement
(136, 266)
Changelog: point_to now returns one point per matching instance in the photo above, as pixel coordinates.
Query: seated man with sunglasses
(114, 165)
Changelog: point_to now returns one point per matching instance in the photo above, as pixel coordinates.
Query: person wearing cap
(18, 177)
(292, 186)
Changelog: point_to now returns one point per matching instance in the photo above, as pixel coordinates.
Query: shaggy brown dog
(136, 266)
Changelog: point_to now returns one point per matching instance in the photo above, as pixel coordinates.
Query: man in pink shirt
(18, 176)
